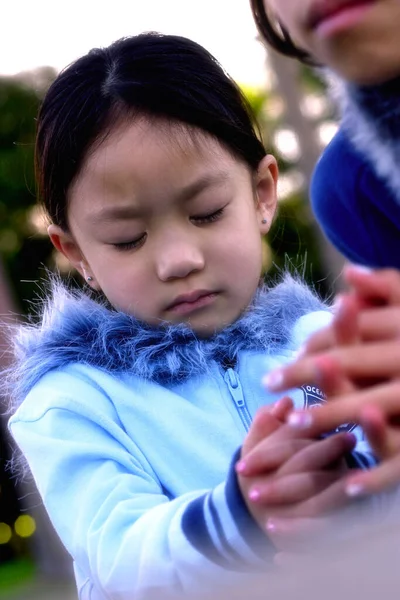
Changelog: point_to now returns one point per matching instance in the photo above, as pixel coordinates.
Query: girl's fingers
(347, 409)
(363, 361)
(263, 425)
(291, 489)
(281, 409)
(285, 560)
(382, 478)
(319, 454)
(294, 535)
(267, 457)
(329, 500)
(295, 455)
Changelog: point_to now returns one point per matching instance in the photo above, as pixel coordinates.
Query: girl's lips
(328, 17)
(187, 306)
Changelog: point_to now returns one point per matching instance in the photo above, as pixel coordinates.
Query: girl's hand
(286, 476)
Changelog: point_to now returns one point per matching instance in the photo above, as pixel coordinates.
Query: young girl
(132, 398)
(355, 194)
(355, 188)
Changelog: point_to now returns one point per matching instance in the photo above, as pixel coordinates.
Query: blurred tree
(293, 136)
(22, 251)
(21, 248)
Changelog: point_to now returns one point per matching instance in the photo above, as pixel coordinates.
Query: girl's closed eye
(208, 218)
(131, 245)
(198, 220)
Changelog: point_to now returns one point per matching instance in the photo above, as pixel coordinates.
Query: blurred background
(37, 40)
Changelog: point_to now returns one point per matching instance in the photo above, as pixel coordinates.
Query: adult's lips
(322, 10)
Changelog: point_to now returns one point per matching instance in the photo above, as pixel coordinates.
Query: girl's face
(165, 222)
(359, 39)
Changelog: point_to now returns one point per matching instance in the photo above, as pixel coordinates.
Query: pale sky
(37, 33)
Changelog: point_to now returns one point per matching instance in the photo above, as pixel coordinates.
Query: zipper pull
(232, 380)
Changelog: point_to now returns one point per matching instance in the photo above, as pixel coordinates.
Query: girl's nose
(179, 258)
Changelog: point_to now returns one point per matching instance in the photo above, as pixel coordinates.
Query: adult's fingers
(348, 409)
(345, 322)
(362, 361)
(374, 324)
(380, 286)
(377, 431)
(332, 378)
(382, 478)
(380, 323)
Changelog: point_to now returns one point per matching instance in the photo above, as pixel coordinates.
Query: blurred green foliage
(291, 239)
(21, 249)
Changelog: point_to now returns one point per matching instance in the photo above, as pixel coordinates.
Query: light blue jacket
(130, 433)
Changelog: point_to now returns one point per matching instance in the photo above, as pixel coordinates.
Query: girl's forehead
(173, 136)
(143, 145)
(149, 158)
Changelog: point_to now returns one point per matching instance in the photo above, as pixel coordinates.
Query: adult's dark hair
(275, 35)
(150, 75)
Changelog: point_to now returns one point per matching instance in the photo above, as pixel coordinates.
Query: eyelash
(136, 244)
(210, 218)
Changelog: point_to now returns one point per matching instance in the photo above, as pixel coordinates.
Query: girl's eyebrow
(184, 195)
(115, 213)
(202, 183)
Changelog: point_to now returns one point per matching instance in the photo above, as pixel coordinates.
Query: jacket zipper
(236, 391)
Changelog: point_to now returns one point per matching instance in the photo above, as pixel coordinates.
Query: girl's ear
(65, 243)
(266, 191)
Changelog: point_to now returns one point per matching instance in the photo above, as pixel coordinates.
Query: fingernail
(360, 269)
(301, 351)
(241, 466)
(300, 420)
(351, 438)
(254, 495)
(274, 380)
(271, 525)
(338, 305)
(276, 408)
(355, 490)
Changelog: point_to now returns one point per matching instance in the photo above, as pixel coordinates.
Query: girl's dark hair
(150, 75)
(275, 35)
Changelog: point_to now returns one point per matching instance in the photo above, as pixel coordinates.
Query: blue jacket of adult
(355, 190)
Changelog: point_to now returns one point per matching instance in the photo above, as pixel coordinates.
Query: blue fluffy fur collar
(371, 118)
(74, 328)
